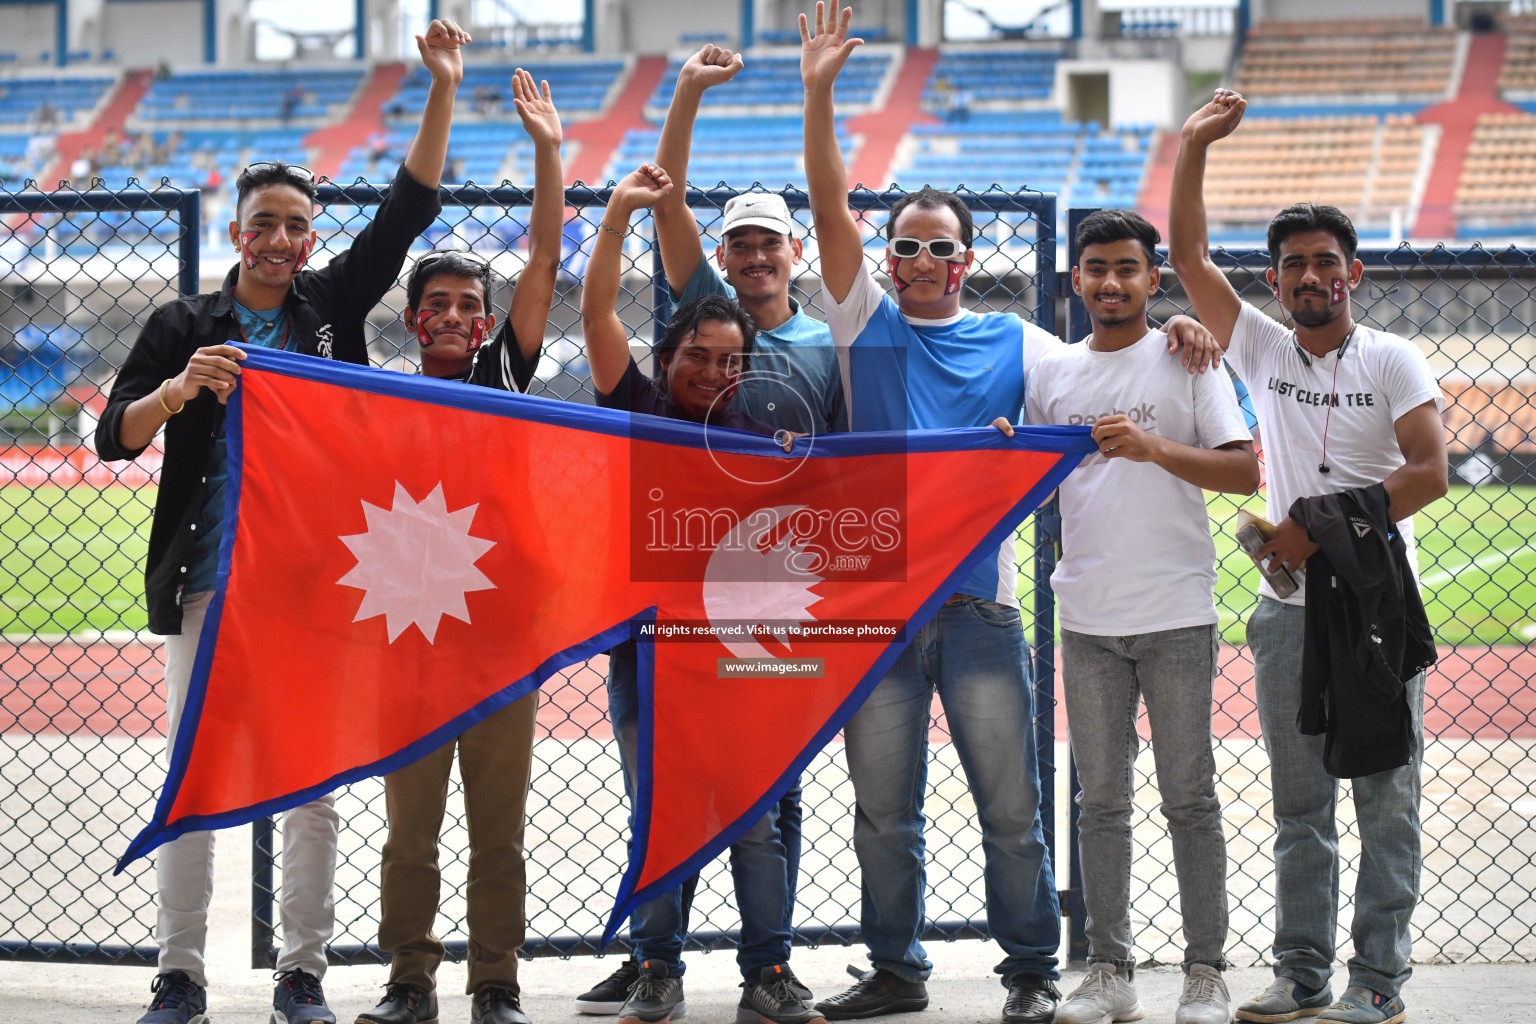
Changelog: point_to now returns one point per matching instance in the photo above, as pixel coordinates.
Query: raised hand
(440, 51)
(641, 188)
(540, 118)
(711, 66)
(823, 55)
(1217, 119)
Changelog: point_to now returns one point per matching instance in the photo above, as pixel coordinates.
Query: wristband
(169, 411)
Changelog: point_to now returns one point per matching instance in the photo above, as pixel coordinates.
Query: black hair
(934, 199)
(273, 172)
(1293, 220)
(445, 264)
(1104, 226)
(686, 320)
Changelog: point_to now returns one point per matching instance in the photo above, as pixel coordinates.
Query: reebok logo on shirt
(1362, 526)
(1141, 414)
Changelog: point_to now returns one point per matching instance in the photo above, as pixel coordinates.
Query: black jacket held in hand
(327, 312)
(1366, 634)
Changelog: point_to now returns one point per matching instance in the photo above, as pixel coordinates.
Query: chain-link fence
(82, 750)
(1471, 311)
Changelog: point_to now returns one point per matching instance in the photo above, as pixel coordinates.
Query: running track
(107, 689)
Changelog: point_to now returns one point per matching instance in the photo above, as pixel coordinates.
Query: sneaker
(797, 985)
(878, 992)
(1105, 996)
(402, 1004)
(607, 997)
(773, 999)
(1205, 999)
(176, 1000)
(497, 1004)
(1031, 1000)
(299, 1000)
(1359, 1005)
(1281, 1002)
(655, 997)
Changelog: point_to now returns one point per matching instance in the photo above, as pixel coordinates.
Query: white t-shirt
(1137, 554)
(1356, 394)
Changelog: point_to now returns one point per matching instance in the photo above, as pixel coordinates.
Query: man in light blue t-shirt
(917, 360)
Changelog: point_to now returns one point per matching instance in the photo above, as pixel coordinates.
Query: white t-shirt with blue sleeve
(906, 373)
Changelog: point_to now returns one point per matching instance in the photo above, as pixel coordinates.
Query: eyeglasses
(938, 248)
(428, 259)
(297, 171)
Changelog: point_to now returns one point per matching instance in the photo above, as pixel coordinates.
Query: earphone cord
(1322, 467)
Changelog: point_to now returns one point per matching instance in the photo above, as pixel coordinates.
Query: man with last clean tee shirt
(1340, 406)
(1136, 591)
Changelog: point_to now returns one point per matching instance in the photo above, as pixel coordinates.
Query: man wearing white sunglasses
(916, 361)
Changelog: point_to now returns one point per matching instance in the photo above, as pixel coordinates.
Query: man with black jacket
(179, 375)
(1340, 406)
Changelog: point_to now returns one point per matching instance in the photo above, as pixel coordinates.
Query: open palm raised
(823, 54)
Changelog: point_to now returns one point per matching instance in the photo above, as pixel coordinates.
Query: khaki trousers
(495, 762)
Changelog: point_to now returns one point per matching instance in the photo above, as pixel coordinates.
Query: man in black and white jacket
(179, 375)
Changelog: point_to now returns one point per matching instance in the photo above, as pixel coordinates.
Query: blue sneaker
(1359, 1005)
(299, 1000)
(176, 1001)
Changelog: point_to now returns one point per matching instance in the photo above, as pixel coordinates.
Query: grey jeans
(1104, 679)
(1307, 846)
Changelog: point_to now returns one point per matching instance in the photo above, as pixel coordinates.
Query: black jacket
(327, 314)
(500, 363)
(1366, 634)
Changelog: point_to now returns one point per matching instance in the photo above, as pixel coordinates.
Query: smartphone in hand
(1251, 538)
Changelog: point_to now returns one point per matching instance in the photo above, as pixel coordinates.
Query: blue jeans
(1307, 846)
(765, 862)
(974, 655)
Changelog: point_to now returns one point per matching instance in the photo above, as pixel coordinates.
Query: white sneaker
(1104, 997)
(1205, 999)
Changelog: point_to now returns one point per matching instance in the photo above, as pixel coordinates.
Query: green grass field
(71, 560)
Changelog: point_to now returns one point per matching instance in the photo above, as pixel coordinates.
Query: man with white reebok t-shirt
(1340, 406)
(919, 361)
(1136, 591)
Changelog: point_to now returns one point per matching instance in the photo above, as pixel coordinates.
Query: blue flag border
(1066, 442)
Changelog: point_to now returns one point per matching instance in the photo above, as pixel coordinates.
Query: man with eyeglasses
(919, 361)
(184, 363)
(448, 309)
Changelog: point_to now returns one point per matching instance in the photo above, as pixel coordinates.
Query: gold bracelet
(612, 231)
(169, 411)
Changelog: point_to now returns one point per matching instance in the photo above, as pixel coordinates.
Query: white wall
(655, 25)
(27, 31)
(1140, 91)
(144, 32)
(1302, 10)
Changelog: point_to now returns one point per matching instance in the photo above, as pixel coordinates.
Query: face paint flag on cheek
(956, 275)
(476, 333)
(891, 263)
(303, 257)
(423, 336)
(246, 238)
(1339, 292)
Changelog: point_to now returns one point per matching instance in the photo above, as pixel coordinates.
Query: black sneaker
(796, 984)
(773, 999)
(1031, 1000)
(176, 1000)
(402, 1004)
(298, 999)
(878, 992)
(496, 1004)
(655, 997)
(607, 997)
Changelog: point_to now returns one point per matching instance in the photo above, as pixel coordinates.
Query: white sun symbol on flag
(416, 562)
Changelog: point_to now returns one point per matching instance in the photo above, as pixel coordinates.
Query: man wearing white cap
(794, 383)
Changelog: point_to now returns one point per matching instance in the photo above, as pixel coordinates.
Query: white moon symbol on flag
(751, 580)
